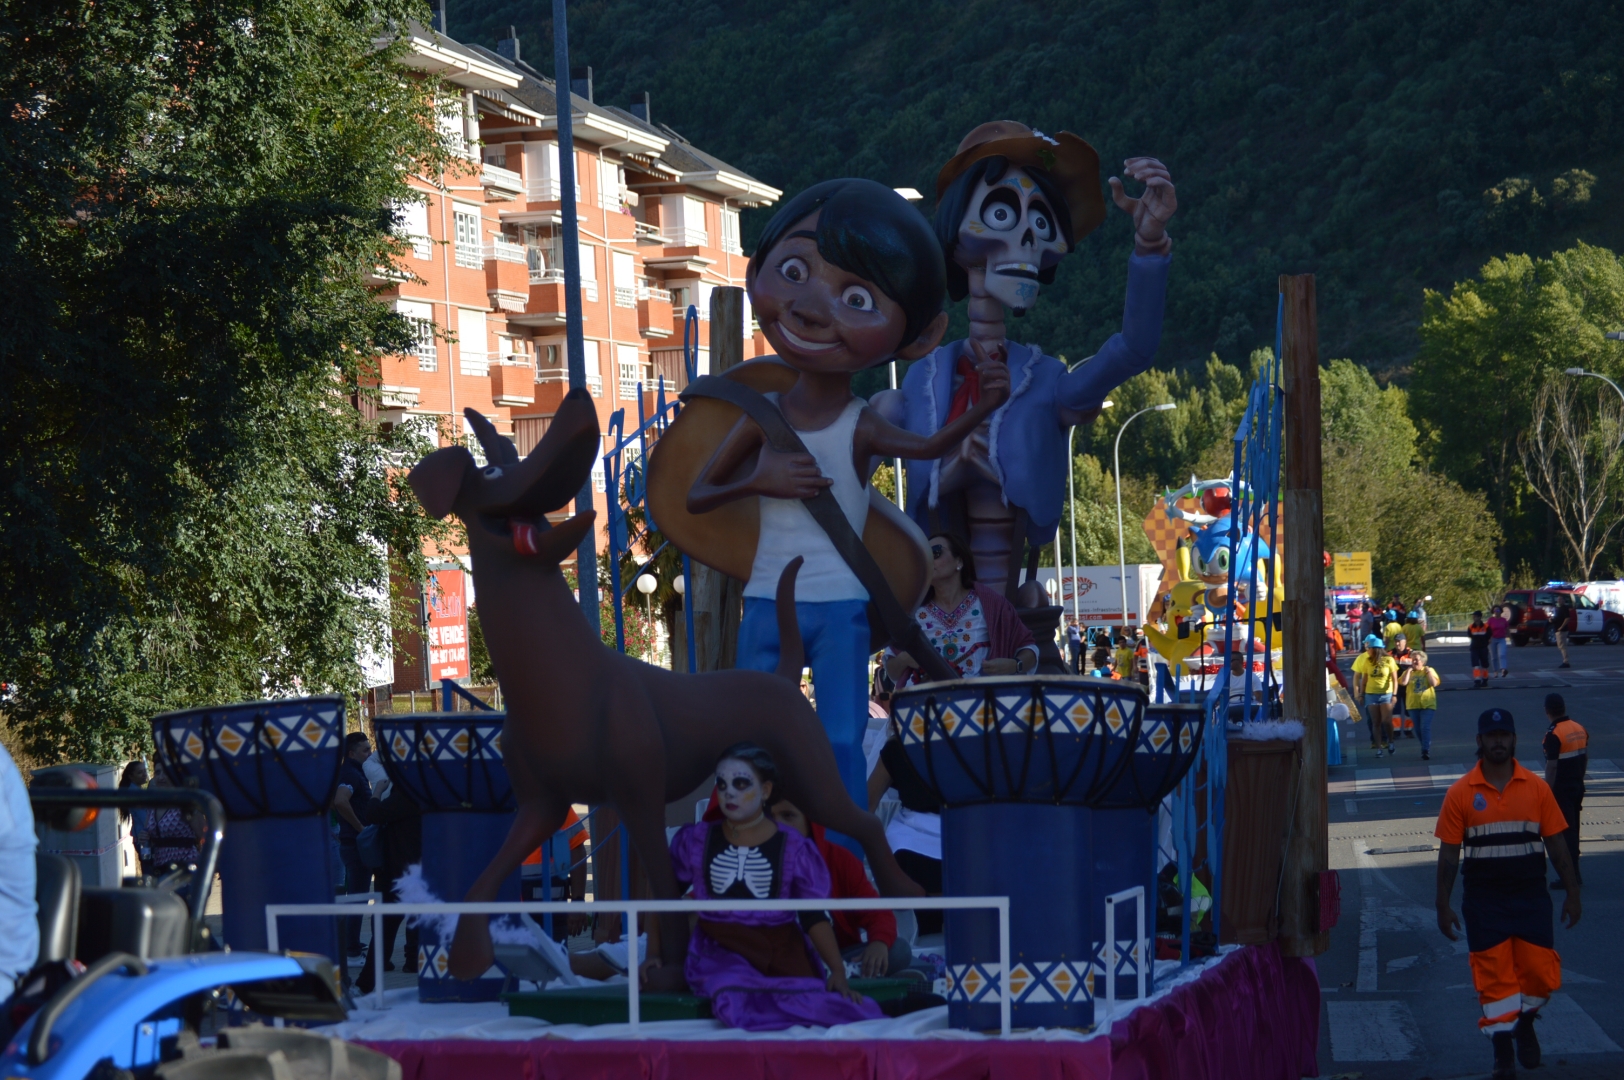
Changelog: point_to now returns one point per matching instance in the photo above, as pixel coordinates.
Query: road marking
(1374, 1031)
(1565, 1028)
(1366, 983)
(1371, 781)
(1400, 963)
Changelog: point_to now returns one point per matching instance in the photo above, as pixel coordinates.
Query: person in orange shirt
(1505, 821)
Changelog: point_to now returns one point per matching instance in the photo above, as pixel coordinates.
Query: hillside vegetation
(1385, 146)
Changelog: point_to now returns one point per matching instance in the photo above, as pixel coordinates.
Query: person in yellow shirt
(1375, 679)
(1391, 631)
(1420, 684)
(1414, 632)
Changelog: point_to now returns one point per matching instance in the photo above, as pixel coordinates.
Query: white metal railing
(503, 251)
(647, 234)
(542, 275)
(474, 364)
(545, 190)
(684, 236)
(649, 291)
(494, 176)
(609, 200)
(631, 909)
(732, 247)
(594, 383)
(470, 256)
(1141, 945)
(625, 296)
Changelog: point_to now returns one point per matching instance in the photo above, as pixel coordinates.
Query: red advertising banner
(445, 597)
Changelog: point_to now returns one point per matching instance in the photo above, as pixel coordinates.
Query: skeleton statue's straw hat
(1074, 165)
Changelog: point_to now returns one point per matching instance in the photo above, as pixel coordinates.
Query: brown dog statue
(586, 724)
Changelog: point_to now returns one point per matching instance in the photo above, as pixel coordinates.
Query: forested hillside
(1385, 146)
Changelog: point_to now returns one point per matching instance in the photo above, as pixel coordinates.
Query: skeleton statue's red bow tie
(524, 538)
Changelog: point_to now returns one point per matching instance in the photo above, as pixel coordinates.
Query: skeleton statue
(1010, 204)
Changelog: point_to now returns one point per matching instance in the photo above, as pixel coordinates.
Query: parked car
(1532, 611)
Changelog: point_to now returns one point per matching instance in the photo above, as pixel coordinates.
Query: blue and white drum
(274, 767)
(1017, 762)
(1124, 830)
(451, 765)
(1051, 739)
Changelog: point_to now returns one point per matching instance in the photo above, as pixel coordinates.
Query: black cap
(1555, 705)
(1495, 720)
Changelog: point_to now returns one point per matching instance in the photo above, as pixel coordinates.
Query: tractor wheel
(265, 1053)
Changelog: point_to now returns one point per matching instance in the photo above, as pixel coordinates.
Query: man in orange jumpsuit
(1504, 820)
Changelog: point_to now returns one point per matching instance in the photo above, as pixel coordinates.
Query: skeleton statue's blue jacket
(1028, 434)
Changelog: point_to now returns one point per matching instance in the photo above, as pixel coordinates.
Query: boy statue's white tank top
(788, 528)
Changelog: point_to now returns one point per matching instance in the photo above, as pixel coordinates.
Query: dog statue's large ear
(438, 478)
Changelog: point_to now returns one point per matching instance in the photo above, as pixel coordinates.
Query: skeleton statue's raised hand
(1152, 209)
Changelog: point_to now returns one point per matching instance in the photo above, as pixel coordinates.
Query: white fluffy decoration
(1264, 730)
(506, 929)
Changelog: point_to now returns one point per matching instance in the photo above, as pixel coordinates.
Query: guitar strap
(899, 625)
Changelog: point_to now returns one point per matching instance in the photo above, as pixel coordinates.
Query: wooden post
(718, 599)
(1303, 620)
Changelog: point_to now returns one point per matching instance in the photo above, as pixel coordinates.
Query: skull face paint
(740, 792)
(1010, 229)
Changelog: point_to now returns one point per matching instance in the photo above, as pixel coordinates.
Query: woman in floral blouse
(973, 627)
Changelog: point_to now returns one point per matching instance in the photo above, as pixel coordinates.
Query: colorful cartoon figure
(847, 275)
(1205, 555)
(1010, 204)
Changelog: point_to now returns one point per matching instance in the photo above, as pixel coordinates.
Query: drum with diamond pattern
(1018, 761)
(451, 765)
(274, 767)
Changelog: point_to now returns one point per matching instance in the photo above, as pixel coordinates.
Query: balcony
(499, 183)
(625, 296)
(654, 313)
(683, 236)
(507, 277)
(648, 234)
(513, 382)
(470, 256)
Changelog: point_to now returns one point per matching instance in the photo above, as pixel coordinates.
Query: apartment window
(703, 299)
(594, 374)
(629, 371)
(589, 272)
(611, 182)
(471, 343)
(548, 357)
(598, 482)
(681, 297)
(683, 218)
(730, 231)
(625, 273)
(512, 350)
(421, 316)
(469, 252)
(412, 224)
(453, 125)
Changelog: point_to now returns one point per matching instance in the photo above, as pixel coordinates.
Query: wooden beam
(1303, 619)
(719, 599)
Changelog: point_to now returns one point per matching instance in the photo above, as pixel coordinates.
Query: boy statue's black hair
(867, 229)
(955, 203)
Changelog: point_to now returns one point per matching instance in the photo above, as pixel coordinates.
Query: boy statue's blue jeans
(835, 636)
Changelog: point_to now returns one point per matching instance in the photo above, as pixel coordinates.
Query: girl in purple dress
(761, 970)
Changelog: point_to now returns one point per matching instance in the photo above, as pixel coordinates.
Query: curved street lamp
(1614, 336)
(1116, 460)
(1071, 493)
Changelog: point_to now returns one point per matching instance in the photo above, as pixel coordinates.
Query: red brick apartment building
(659, 228)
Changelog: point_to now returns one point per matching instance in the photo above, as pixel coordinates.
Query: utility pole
(1303, 620)
(586, 556)
(718, 599)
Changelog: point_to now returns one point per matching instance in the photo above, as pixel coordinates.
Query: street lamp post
(1116, 461)
(1071, 492)
(1616, 335)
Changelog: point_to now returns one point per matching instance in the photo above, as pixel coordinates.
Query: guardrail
(633, 908)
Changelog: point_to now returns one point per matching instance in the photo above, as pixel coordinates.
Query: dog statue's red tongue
(524, 538)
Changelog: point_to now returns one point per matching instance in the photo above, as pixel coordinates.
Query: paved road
(1399, 1003)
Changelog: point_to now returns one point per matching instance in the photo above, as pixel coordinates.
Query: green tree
(1426, 534)
(1487, 346)
(195, 506)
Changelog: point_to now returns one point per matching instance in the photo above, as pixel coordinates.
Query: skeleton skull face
(739, 791)
(1010, 229)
